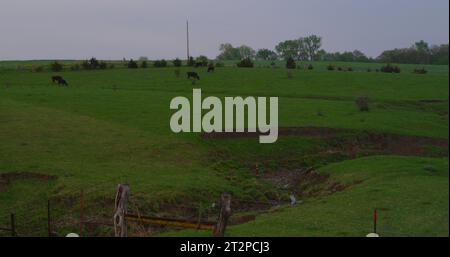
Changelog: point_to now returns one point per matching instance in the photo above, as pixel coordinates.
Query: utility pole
(187, 39)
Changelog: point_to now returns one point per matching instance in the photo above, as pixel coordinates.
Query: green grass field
(112, 126)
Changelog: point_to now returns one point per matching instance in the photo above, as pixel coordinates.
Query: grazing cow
(193, 75)
(62, 82)
(211, 68)
(56, 78)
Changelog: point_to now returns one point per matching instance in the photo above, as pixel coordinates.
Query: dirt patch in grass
(304, 182)
(294, 131)
(362, 141)
(9, 177)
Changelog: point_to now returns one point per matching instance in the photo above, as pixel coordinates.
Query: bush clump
(93, 64)
(201, 61)
(144, 64)
(37, 68)
(390, 69)
(330, 67)
(310, 67)
(420, 71)
(245, 63)
(132, 64)
(102, 65)
(176, 62)
(56, 66)
(160, 63)
(290, 63)
(349, 69)
(75, 67)
(363, 103)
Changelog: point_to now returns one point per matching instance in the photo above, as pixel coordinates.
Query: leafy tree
(266, 54)
(246, 52)
(144, 64)
(311, 44)
(228, 52)
(288, 48)
(203, 60)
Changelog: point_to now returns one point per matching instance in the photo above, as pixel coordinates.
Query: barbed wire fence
(88, 211)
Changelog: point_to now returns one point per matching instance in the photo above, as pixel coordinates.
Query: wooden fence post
(49, 227)
(81, 212)
(225, 213)
(120, 209)
(13, 225)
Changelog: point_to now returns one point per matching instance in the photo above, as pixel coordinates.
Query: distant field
(112, 126)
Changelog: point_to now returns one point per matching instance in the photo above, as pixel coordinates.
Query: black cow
(56, 78)
(62, 82)
(194, 75)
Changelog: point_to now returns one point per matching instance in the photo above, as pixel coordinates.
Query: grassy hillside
(112, 126)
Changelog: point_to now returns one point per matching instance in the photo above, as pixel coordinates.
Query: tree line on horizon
(309, 49)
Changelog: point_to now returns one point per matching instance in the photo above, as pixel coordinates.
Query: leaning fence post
(225, 213)
(13, 225)
(120, 209)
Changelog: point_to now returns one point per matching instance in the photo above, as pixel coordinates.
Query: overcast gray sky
(113, 29)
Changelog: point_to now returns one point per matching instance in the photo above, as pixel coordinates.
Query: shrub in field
(132, 64)
(75, 67)
(369, 70)
(37, 68)
(245, 63)
(56, 66)
(202, 61)
(144, 64)
(330, 67)
(102, 65)
(273, 64)
(420, 71)
(349, 69)
(377, 70)
(160, 63)
(176, 62)
(111, 66)
(363, 103)
(339, 68)
(310, 67)
(94, 63)
(390, 69)
(290, 63)
(85, 65)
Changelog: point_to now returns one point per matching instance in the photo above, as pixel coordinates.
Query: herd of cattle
(190, 75)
